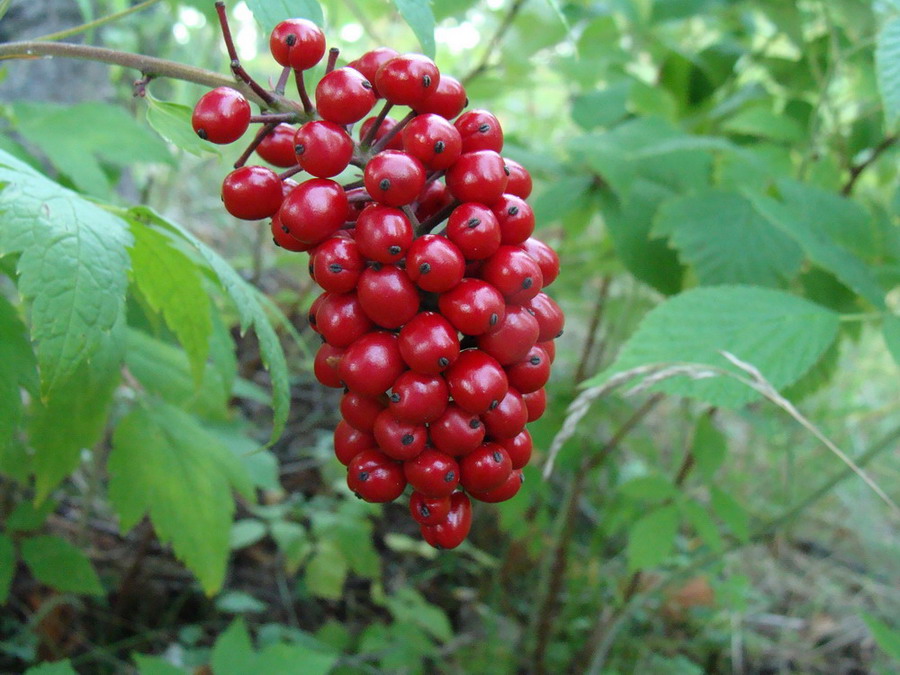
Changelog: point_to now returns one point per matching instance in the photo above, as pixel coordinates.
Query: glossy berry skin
(369, 63)
(433, 197)
(344, 96)
(371, 364)
(515, 217)
(428, 510)
(394, 178)
(337, 264)
(550, 317)
(536, 403)
(434, 263)
(375, 477)
(504, 492)
(418, 398)
(283, 238)
(448, 100)
(360, 411)
(545, 257)
(508, 419)
(473, 306)
(476, 381)
(479, 130)
(313, 308)
(478, 176)
(514, 273)
(432, 473)
(252, 193)
(531, 373)
(475, 230)
(433, 141)
(341, 319)
(221, 116)
(277, 147)
(314, 210)
(519, 448)
(428, 343)
(323, 149)
(396, 141)
(485, 468)
(550, 348)
(327, 364)
(297, 43)
(349, 442)
(519, 183)
(512, 338)
(407, 79)
(387, 295)
(454, 529)
(383, 233)
(398, 439)
(456, 432)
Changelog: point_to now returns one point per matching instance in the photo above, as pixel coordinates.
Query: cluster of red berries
(442, 342)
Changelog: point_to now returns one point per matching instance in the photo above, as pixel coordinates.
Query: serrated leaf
(652, 538)
(709, 448)
(250, 310)
(154, 665)
(172, 121)
(703, 524)
(418, 15)
(7, 566)
(780, 334)
(171, 284)
(891, 333)
(326, 572)
(722, 236)
(18, 369)
(885, 637)
(269, 13)
(887, 63)
(730, 511)
(163, 463)
(57, 563)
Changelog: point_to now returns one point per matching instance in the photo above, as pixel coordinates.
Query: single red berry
(456, 432)
(371, 364)
(519, 448)
(360, 411)
(545, 257)
(337, 264)
(508, 419)
(327, 364)
(314, 210)
(387, 295)
(550, 317)
(375, 477)
(435, 264)
(519, 179)
(344, 96)
(433, 197)
(394, 178)
(536, 402)
(432, 140)
(447, 100)
(398, 439)
(477, 176)
(277, 147)
(341, 319)
(349, 442)
(532, 372)
(383, 233)
(515, 217)
(357, 200)
(298, 43)
(454, 529)
(476, 381)
(283, 238)
(485, 468)
(369, 63)
(506, 491)
(428, 343)
(322, 148)
(428, 510)
(479, 130)
(396, 142)
(550, 347)
(514, 273)
(512, 338)
(475, 230)
(313, 308)
(432, 473)
(472, 306)
(418, 398)
(407, 79)
(221, 116)
(252, 193)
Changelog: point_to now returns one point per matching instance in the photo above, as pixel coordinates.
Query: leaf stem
(857, 169)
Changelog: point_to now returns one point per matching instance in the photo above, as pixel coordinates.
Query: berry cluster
(442, 341)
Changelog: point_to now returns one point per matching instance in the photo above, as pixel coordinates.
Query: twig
(376, 125)
(396, 129)
(90, 25)
(308, 106)
(430, 223)
(494, 42)
(282, 80)
(411, 216)
(333, 54)
(236, 66)
(273, 117)
(857, 169)
(264, 131)
(596, 316)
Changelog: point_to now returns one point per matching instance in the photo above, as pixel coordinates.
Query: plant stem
(333, 54)
(304, 96)
(411, 216)
(236, 66)
(376, 125)
(396, 129)
(857, 169)
(494, 42)
(428, 225)
(273, 117)
(261, 134)
(593, 325)
(90, 25)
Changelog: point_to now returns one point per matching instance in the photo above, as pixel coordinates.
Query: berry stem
(434, 175)
(304, 97)
(290, 172)
(273, 118)
(388, 137)
(407, 209)
(376, 125)
(359, 197)
(355, 184)
(264, 131)
(282, 80)
(333, 54)
(236, 66)
(428, 225)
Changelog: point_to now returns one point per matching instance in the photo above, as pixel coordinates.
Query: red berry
(344, 96)
(252, 193)
(327, 364)
(314, 210)
(545, 257)
(532, 372)
(433, 197)
(507, 490)
(398, 439)
(472, 306)
(360, 411)
(456, 432)
(375, 477)
(515, 217)
(479, 130)
(514, 273)
(550, 347)
(428, 343)
(435, 264)
(394, 178)
(519, 179)
(349, 442)
(322, 148)
(418, 398)
(369, 63)
(407, 79)
(475, 230)
(313, 308)
(432, 140)
(337, 264)
(221, 115)
(371, 364)
(485, 468)
(432, 473)
(453, 530)
(383, 233)
(476, 381)
(277, 147)
(512, 338)
(508, 419)
(396, 142)
(341, 319)
(297, 43)
(536, 402)
(447, 100)
(283, 238)
(519, 448)
(549, 316)
(387, 296)
(477, 176)
(428, 510)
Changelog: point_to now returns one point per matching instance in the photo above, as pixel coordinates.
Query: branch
(495, 41)
(857, 169)
(90, 25)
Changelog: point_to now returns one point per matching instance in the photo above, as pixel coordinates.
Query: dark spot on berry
(494, 405)
(290, 40)
(335, 268)
(474, 423)
(530, 311)
(364, 475)
(484, 128)
(299, 148)
(322, 339)
(275, 241)
(494, 319)
(425, 511)
(513, 210)
(449, 476)
(284, 228)
(424, 268)
(395, 397)
(497, 457)
(357, 495)
(443, 362)
(394, 250)
(407, 439)
(202, 134)
(535, 360)
(385, 184)
(466, 104)
(558, 334)
(439, 547)
(439, 147)
(506, 170)
(375, 265)
(366, 84)
(527, 282)
(426, 81)
(521, 478)
(474, 222)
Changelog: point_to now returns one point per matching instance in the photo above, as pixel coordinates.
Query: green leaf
(731, 512)
(52, 668)
(26, 518)
(885, 637)
(172, 121)
(250, 311)
(601, 108)
(154, 665)
(891, 333)
(406, 605)
(697, 515)
(246, 532)
(780, 334)
(239, 602)
(560, 198)
(709, 448)
(652, 538)
(294, 660)
(171, 284)
(887, 63)
(233, 651)
(763, 122)
(269, 13)
(165, 464)
(326, 572)
(293, 542)
(726, 240)
(418, 14)
(18, 369)
(651, 488)
(57, 563)
(7, 566)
